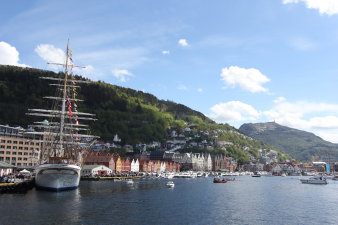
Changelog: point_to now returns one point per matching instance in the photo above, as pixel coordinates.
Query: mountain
(136, 117)
(300, 144)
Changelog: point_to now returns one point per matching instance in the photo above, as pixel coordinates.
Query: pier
(20, 187)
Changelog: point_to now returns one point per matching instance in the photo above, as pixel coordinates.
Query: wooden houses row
(121, 165)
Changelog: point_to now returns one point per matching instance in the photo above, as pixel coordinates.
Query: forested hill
(134, 115)
(300, 144)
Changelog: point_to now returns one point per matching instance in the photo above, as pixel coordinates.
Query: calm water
(248, 200)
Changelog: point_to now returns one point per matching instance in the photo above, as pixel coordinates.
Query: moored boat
(63, 146)
(57, 177)
(219, 180)
(314, 180)
(170, 184)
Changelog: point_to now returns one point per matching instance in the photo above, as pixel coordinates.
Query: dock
(20, 187)
(109, 178)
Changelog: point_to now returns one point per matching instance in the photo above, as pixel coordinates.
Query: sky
(236, 61)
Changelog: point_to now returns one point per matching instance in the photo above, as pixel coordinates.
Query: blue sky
(235, 61)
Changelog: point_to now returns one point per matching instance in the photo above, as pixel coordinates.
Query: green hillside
(137, 117)
(300, 144)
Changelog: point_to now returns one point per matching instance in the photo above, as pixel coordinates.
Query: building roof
(90, 167)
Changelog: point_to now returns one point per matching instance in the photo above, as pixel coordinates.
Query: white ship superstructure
(63, 144)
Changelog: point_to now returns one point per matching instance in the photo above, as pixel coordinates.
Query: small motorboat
(315, 180)
(170, 184)
(219, 180)
(129, 181)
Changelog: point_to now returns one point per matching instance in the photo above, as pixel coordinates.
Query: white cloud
(318, 118)
(50, 54)
(165, 52)
(200, 89)
(183, 42)
(329, 7)
(9, 55)
(279, 100)
(182, 87)
(122, 75)
(248, 79)
(232, 112)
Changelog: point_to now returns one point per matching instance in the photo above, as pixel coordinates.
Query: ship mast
(63, 109)
(62, 138)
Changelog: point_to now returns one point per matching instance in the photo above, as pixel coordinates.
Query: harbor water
(247, 200)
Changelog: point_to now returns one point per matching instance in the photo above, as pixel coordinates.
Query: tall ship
(65, 140)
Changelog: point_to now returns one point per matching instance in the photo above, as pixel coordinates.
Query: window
(13, 158)
(19, 164)
(19, 153)
(13, 153)
(20, 148)
(2, 152)
(8, 152)
(25, 153)
(9, 141)
(1, 158)
(8, 158)
(15, 142)
(26, 143)
(19, 158)
(25, 159)
(26, 148)
(3, 141)
(37, 144)
(31, 148)
(15, 147)
(20, 142)
(9, 147)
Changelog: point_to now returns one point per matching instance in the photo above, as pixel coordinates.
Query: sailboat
(63, 147)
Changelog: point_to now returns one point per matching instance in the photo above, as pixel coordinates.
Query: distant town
(21, 151)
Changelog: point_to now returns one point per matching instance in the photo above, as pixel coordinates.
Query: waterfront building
(118, 163)
(18, 148)
(135, 166)
(100, 158)
(93, 170)
(6, 168)
(126, 165)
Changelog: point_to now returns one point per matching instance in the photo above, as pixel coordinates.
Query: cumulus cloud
(122, 75)
(279, 100)
(318, 118)
(233, 111)
(183, 42)
(165, 52)
(247, 79)
(51, 54)
(329, 7)
(9, 55)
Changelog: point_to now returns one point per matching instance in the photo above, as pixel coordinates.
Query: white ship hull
(57, 177)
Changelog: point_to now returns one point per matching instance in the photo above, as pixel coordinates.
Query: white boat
(130, 181)
(62, 144)
(57, 177)
(314, 180)
(170, 184)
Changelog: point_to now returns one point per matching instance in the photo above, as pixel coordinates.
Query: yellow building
(18, 149)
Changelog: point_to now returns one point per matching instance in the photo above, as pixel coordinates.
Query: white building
(92, 170)
(5, 168)
(135, 166)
